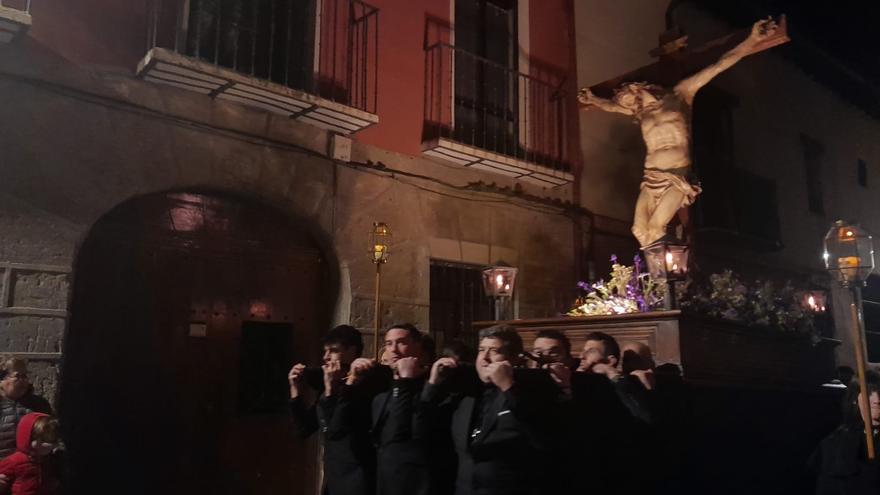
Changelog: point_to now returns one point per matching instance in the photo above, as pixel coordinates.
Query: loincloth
(656, 182)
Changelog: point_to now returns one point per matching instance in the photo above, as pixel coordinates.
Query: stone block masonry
(33, 317)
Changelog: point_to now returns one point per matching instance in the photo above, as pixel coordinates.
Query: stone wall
(33, 316)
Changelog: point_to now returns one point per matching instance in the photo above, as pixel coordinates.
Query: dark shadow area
(735, 440)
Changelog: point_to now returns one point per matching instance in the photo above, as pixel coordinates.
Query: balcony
(310, 60)
(15, 19)
(484, 115)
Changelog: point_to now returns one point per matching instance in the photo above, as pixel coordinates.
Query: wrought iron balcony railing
(325, 48)
(484, 105)
(15, 19)
(21, 5)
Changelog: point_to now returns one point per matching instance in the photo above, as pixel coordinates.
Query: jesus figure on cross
(665, 119)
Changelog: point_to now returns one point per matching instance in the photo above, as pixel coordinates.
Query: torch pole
(377, 316)
(859, 343)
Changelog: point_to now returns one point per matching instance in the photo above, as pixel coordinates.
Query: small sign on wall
(198, 329)
(340, 148)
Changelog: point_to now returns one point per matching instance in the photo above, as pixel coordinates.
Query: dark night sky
(835, 42)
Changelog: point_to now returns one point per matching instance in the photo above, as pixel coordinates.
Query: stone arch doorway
(187, 311)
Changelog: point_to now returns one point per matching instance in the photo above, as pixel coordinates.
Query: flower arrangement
(758, 303)
(629, 290)
(722, 295)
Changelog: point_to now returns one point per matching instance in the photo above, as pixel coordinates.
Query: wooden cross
(676, 60)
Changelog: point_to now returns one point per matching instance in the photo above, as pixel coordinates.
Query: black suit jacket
(344, 422)
(506, 451)
(841, 465)
(401, 434)
(612, 425)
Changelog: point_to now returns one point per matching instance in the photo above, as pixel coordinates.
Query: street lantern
(380, 242)
(667, 261)
(499, 282)
(849, 253)
(380, 246)
(849, 257)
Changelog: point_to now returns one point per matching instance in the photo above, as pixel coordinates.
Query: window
(863, 172)
(735, 201)
(457, 300)
(486, 78)
(757, 213)
(813, 151)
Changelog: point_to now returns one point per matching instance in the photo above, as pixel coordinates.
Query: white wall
(613, 38)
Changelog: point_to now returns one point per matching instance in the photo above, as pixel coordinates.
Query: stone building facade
(89, 138)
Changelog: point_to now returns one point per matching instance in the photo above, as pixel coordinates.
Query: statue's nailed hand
(763, 29)
(586, 97)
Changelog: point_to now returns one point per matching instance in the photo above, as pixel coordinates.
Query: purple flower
(614, 258)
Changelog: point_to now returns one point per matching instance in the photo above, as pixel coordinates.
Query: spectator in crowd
(840, 462)
(498, 429)
(400, 432)
(342, 413)
(600, 355)
(611, 409)
(551, 350)
(552, 346)
(29, 470)
(442, 456)
(17, 399)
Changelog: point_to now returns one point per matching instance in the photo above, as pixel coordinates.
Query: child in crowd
(28, 470)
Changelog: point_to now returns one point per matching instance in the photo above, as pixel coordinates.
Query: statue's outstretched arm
(761, 30)
(588, 99)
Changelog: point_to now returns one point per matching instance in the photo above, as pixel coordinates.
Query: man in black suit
(342, 413)
(400, 431)
(611, 409)
(498, 428)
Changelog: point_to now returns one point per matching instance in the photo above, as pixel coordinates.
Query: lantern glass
(499, 280)
(848, 253)
(380, 242)
(667, 260)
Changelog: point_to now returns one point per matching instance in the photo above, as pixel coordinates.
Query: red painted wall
(549, 41)
(111, 33)
(404, 27)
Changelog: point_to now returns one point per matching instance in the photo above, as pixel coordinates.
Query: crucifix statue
(664, 115)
